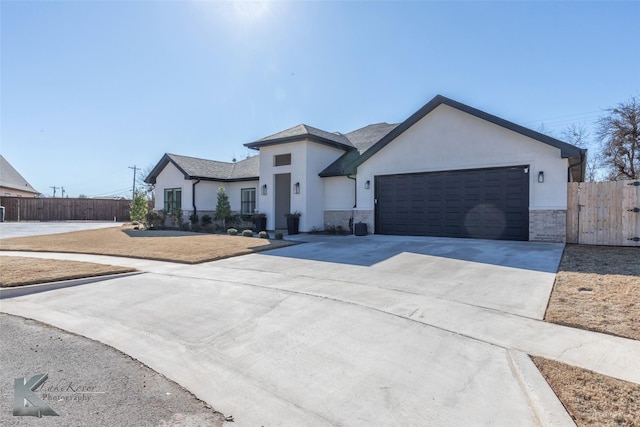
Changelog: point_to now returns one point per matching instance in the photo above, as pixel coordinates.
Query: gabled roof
(301, 132)
(208, 170)
(349, 166)
(11, 178)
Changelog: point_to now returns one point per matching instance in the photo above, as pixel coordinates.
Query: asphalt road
(89, 384)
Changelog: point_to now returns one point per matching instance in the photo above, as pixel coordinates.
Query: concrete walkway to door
(350, 330)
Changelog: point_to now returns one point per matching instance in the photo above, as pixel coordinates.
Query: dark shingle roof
(208, 170)
(365, 137)
(11, 178)
(362, 139)
(303, 131)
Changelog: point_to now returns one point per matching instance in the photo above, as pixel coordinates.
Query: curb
(543, 400)
(19, 291)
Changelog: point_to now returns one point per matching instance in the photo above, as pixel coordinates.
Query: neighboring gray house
(12, 183)
(448, 170)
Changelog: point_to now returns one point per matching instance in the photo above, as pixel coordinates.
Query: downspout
(193, 197)
(583, 158)
(355, 203)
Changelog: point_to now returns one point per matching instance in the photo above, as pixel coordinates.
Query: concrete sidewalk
(278, 340)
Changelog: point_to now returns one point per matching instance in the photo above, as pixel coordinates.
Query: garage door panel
(481, 203)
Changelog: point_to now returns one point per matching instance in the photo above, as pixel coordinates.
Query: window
(172, 201)
(247, 201)
(282, 159)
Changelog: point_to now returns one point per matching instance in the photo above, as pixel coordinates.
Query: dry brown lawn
(592, 399)
(19, 271)
(598, 288)
(175, 246)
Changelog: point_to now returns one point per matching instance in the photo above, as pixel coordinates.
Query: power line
(588, 113)
(54, 190)
(109, 193)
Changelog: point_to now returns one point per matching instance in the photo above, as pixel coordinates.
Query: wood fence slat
(572, 212)
(67, 209)
(601, 213)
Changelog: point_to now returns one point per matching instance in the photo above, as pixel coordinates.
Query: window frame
(251, 202)
(175, 205)
(282, 160)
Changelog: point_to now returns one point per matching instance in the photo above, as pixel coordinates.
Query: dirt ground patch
(592, 399)
(598, 288)
(159, 245)
(20, 271)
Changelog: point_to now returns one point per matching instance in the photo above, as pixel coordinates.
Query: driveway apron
(351, 331)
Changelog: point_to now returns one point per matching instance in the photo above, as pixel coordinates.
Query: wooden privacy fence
(64, 209)
(604, 213)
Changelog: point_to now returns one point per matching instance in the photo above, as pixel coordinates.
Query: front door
(282, 199)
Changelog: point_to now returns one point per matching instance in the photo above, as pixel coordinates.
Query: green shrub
(223, 208)
(206, 219)
(193, 218)
(138, 208)
(154, 219)
(232, 232)
(247, 233)
(263, 235)
(279, 236)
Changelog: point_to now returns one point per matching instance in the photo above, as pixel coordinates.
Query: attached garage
(490, 203)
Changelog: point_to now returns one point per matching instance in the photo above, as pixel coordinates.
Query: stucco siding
(448, 139)
(318, 157)
(171, 177)
(206, 195)
(308, 159)
(339, 193)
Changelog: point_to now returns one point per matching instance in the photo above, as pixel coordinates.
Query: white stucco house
(448, 170)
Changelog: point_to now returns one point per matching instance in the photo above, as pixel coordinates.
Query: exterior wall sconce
(540, 176)
(296, 188)
(367, 185)
(263, 190)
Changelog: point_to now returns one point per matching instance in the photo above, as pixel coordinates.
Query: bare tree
(619, 133)
(142, 176)
(577, 135)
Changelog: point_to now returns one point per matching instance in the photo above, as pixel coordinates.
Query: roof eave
(166, 159)
(214, 179)
(299, 138)
(566, 150)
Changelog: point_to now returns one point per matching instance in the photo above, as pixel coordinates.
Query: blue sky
(89, 88)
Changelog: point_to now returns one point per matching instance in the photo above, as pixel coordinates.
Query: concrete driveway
(35, 228)
(374, 330)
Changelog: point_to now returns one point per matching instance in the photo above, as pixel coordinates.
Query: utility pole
(133, 189)
(54, 190)
(62, 188)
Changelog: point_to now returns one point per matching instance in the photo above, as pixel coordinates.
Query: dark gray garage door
(480, 203)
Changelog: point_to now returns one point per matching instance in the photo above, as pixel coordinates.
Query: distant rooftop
(11, 178)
